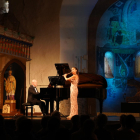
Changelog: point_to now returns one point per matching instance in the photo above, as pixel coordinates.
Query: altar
(14, 53)
(9, 106)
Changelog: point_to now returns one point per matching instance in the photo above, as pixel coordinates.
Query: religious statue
(10, 86)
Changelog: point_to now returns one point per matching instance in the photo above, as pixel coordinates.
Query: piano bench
(28, 105)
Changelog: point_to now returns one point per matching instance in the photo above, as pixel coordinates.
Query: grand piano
(89, 86)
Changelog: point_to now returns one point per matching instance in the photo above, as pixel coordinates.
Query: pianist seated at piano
(34, 98)
(74, 79)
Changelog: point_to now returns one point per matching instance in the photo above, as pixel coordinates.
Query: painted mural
(118, 53)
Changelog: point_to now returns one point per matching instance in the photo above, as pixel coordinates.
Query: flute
(69, 73)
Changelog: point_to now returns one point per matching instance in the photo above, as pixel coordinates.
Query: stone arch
(93, 22)
(23, 67)
(94, 19)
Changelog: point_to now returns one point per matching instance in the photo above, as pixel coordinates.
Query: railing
(15, 43)
(15, 47)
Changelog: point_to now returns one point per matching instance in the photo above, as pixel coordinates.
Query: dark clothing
(80, 135)
(34, 98)
(103, 134)
(73, 129)
(25, 136)
(126, 134)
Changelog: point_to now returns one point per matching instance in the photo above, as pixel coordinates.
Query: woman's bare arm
(70, 78)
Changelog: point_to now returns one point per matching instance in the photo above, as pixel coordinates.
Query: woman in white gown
(73, 91)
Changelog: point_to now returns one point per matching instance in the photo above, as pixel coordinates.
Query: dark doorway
(18, 73)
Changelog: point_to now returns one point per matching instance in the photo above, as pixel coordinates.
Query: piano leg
(101, 105)
(57, 104)
(47, 105)
(51, 106)
(57, 98)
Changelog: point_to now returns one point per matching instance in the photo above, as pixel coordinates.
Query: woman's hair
(77, 70)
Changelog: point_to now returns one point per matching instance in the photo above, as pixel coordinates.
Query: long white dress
(73, 98)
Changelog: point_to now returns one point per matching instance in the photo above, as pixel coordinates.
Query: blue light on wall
(108, 55)
(118, 51)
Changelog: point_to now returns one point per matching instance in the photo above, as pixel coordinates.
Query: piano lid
(62, 68)
(85, 78)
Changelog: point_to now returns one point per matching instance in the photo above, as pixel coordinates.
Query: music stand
(58, 82)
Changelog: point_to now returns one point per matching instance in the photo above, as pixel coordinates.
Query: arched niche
(109, 64)
(19, 72)
(94, 19)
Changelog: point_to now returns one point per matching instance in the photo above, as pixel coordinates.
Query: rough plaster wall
(74, 17)
(40, 19)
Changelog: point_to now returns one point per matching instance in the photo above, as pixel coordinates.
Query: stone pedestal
(12, 104)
